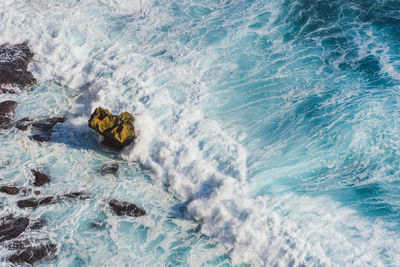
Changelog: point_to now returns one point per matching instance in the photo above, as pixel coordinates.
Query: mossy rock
(118, 131)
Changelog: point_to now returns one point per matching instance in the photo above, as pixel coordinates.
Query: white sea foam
(87, 47)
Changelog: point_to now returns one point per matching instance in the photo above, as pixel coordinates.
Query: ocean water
(269, 130)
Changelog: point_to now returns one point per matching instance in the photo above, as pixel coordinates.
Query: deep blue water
(268, 130)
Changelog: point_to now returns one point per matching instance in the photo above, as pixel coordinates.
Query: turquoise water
(268, 130)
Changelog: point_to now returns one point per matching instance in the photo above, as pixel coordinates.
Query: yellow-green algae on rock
(117, 130)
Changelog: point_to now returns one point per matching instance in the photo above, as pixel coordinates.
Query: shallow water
(268, 130)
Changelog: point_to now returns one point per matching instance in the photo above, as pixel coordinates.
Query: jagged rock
(121, 208)
(35, 202)
(11, 228)
(11, 190)
(40, 178)
(14, 60)
(31, 253)
(109, 169)
(7, 113)
(118, 131)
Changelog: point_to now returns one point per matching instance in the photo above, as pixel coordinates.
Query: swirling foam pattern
(268, 130)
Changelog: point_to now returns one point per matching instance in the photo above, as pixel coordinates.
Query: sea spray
(271, 124)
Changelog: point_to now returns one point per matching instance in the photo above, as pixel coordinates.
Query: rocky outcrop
(35, 202)
(25, 250)
(11, 190)
(42, 129)
(31, 252)
(121, 208)
(14, 61)
(40, 178)
(118, 131)
(7, 113)
(11, 228)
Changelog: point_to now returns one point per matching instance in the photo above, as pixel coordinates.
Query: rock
(118, 131)
(44, 137)
(37, 224)
(7, 91)
(48, 124)
(30, 253)
(42, 125)
(121, 208)
(14, 60)
(43, 128)
(40, 178)
(28, 250)
(8, 107)
(109, 169)
(77, 195)
(23, 124)
(96, 225)
(11, 228)
(11, 190)
(7, 113)
(35, 202)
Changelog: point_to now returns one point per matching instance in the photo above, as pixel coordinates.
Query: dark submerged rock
(42, 125)
(30, 254)
(8, 107)
(48, 124)
(37, 224)
(77, 195)
(7, 113)
(97, 225)
(11, 190)
(43, 129)
(41, 137)
(11, 228)
(7, 91)
(121, 208)
(35, 202)
(28, 250)
(40, 178)
(23, 124)
(14, 61)
(109, 169)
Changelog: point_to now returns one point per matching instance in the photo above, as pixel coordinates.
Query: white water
(157, 60)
